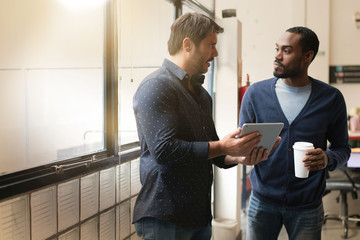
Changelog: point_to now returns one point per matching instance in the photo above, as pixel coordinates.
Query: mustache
(279, 63)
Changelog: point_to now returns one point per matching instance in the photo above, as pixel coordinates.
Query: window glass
(144, 29)
(52, 84)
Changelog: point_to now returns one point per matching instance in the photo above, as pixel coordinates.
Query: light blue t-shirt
(292, 99)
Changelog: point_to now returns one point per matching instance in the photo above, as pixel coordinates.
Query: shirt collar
(173, 68)
(196, 79)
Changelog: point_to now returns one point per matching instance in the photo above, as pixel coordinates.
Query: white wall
(260, 31)
(344, 45)
(332, 20)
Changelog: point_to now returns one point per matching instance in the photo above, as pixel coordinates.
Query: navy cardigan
(322, 121)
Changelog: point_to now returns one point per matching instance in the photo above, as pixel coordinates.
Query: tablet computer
(268, 131)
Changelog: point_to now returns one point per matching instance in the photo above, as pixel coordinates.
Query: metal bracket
(59, 169)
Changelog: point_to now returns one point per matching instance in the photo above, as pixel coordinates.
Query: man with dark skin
(312, 111)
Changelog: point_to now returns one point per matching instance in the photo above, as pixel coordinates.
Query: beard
(282, 72)
(280, 75)
(286, 74)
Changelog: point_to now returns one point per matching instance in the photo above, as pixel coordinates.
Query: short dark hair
(195, 26)
(308, 40)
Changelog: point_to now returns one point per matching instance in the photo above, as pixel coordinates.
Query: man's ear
(187, 44)
(309, 56)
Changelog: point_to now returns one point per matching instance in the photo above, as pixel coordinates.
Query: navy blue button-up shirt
(174, 129)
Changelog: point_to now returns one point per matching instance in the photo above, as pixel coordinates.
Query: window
(52, 81)
(144, 29)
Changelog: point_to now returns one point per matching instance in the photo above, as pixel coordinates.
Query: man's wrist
(215, 149)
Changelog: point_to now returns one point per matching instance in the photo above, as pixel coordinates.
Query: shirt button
(289, 149)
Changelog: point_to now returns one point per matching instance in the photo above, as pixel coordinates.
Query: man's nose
(215, 54)
(278, 55)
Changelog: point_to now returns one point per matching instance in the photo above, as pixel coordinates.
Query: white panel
(123, 182)
(14, 219)
(73, 234)
(117, 184)
(135, 177)
(43, 213)
(107, 188)
(125, 220)
(89, 196)
(107, 225)
(117, 224)
(89, 230)
(68, 204)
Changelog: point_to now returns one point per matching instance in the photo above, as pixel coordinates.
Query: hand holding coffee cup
(300, 148)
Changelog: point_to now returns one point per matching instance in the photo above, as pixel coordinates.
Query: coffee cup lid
(303, 145)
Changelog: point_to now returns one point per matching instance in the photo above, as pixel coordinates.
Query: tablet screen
(269, 132)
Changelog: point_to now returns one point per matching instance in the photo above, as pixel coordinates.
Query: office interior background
(68, 70)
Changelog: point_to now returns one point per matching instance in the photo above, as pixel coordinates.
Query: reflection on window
(52, 84)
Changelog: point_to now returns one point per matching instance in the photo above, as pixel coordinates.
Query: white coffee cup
(300, 148)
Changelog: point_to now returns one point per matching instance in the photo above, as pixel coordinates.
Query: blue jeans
(151, 228)
(266, 220)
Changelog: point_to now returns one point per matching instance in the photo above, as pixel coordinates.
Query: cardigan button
(289, 149)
